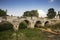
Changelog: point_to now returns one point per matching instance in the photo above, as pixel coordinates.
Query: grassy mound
(5, 26)
(23, 34)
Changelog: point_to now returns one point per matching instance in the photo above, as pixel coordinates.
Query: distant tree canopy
(31, 13)
(2, 13)
(51, 13)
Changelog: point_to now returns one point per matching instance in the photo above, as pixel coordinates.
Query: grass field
(27, 34)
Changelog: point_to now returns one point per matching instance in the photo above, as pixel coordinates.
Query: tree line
(2, 13)
(50, 14)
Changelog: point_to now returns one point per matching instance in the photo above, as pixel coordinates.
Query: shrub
(22, 25)
(5, 26)
(55, 26)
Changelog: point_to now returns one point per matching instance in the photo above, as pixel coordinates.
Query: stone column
(31, 25)
(42, 24)
(15, 26)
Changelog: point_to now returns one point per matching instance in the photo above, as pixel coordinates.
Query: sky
(18, 7)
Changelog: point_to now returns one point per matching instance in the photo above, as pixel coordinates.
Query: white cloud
(42, 13)
(51, 0)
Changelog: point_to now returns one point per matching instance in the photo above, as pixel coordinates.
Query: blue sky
(17, 7)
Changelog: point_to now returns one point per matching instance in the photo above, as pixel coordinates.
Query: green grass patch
(23, 34)
(5, 35)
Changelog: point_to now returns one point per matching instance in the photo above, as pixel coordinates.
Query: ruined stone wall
(15, 21)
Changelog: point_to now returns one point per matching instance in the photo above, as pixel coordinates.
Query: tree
(31, 13)
(59, 14)
(2, 13)
(27, 13)
(34, 13)
(51, 13)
